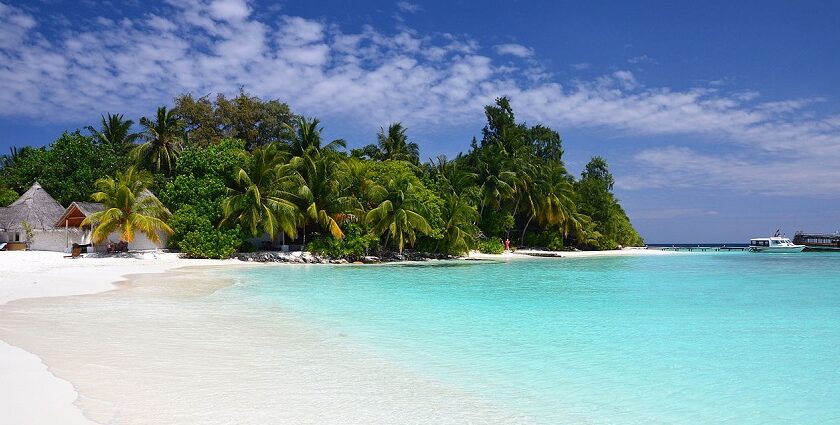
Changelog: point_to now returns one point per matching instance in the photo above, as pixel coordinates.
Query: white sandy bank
(29, 393)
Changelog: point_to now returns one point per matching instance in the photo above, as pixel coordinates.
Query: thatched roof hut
(35, 207)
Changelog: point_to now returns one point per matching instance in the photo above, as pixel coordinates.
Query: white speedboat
(774, 244)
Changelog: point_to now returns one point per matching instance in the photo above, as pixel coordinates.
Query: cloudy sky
(721, 121)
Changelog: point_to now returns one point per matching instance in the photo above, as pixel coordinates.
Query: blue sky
(720, 120)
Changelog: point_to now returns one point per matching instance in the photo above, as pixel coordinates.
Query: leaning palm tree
(115, 131)
(129, 208)
(306, 138)
(394, 145)
(399, 213)
(252, 200)
(163, 138)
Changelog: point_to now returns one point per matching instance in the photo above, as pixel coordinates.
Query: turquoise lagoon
(693, 338)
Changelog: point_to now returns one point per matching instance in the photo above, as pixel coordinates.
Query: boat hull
(778, 249)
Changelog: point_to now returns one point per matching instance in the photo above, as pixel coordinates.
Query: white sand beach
(29, 393)
(32, 394)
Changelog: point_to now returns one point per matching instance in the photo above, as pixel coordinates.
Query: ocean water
(695, 338)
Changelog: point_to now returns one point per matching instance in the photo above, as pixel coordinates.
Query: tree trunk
(525, 229)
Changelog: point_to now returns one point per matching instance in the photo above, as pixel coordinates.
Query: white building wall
(49, 240)
(140, 243)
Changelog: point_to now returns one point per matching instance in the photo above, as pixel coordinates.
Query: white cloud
(581, 66)
(514, 49)
(369, 78)
(229, 9)
(408, 7)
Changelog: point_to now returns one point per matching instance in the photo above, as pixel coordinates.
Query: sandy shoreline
(31, 394)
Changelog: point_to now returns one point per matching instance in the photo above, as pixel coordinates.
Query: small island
(213, 177)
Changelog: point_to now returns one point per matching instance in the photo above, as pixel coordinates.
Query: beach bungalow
(71, 222)
(40, 210)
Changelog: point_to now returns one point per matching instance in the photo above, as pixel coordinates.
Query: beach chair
(75, 251)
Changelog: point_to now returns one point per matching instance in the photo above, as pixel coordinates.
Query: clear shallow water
(699, 338)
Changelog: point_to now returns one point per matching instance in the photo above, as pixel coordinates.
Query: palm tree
(496, 181)
(115, 132)
(163, 138)
(306, 138)
(458, 228)
(398, 213)
(555, 204)
(314, 186)
(394, 145)
(129, 208)
(253, 202)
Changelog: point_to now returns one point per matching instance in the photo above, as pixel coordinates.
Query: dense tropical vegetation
(232, 170)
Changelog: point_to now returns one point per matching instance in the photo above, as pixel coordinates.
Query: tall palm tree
(394, 145)
(129, 208)
(115, 131)
(306, 138)
(399, 213)
(252, 200)
(163, 139)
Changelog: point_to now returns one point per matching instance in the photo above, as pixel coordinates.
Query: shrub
(555, 241)
(211, 243)
(7, 196)
(356, 243)
(491, 246)
(196, 236)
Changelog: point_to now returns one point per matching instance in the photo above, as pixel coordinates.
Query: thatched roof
(88, 208)
(36, 207)
(70, 216)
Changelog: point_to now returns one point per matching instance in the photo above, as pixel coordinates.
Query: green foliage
(253, 201)
(128, 208)
(115, 132)
(28, 233)
(496, 222)
(392, 144)
(67, 169)
(197, 237)
(219, 160)
(7, 196)
(402, 207)
(248, 118)
(555, 240)
(164, 136)
(244, 163)
(357, 242)
(490, 246)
